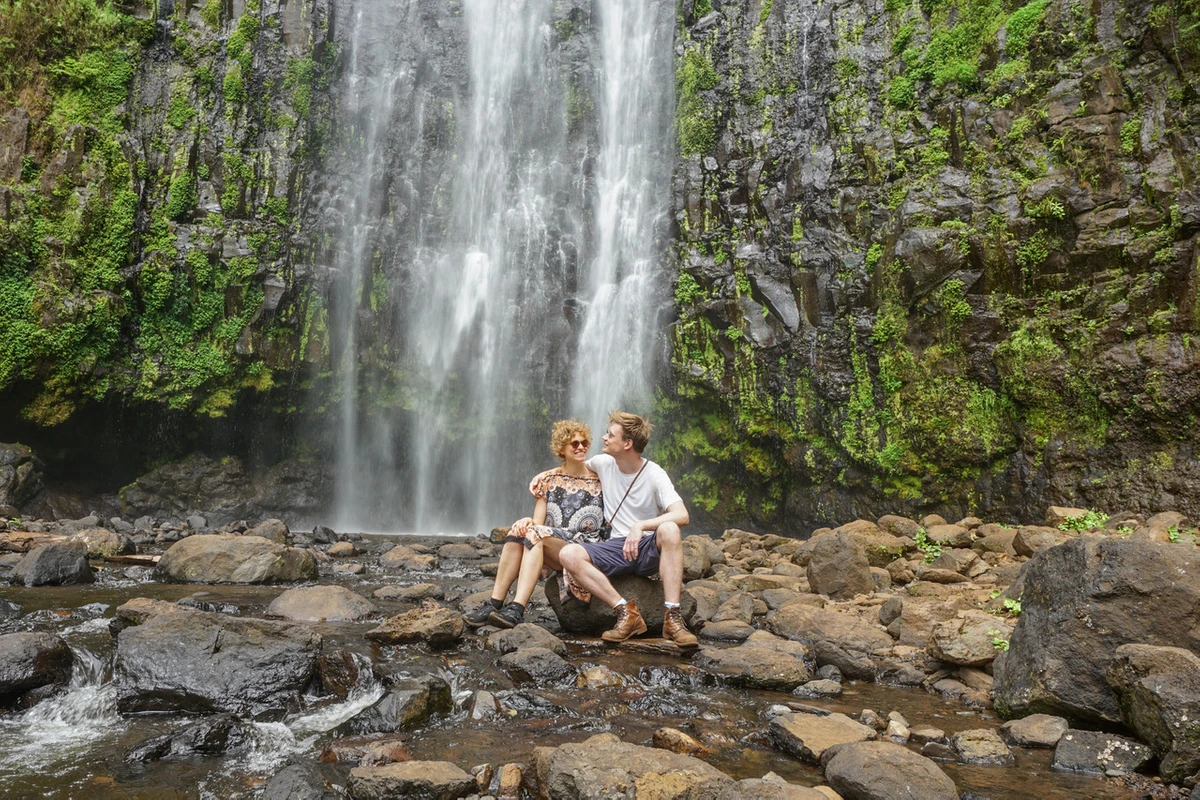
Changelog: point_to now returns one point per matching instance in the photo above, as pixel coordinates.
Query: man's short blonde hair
(564, 431)
(634, 428)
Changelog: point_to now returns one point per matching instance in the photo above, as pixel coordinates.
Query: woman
(571, 509)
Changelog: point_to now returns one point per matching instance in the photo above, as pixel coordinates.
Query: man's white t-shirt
(650, 496)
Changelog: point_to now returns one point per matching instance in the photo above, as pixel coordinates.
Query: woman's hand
(533, 484)
(521, 526)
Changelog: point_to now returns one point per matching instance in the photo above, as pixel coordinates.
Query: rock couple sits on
(638, 530)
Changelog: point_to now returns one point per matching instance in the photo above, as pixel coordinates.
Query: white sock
(620, 603)
(671, 605)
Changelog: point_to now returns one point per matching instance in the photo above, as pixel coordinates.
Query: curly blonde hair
(564, 431)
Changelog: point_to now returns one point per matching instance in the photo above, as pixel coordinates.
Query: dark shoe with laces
(508, 617)
(479, 617)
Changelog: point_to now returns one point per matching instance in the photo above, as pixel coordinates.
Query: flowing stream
(499, 247)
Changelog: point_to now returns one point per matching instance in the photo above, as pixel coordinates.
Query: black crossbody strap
(627, 491)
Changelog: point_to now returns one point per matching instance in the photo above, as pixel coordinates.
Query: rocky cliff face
(936, 255)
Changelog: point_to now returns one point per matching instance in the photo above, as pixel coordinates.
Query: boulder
(20, 475)
(431, 623)
(971, 638)
(949, 535)
(678, 742)
(981, 746)
(274, 530)
(838, 567)
(54, 565)
(296, 782)
(696, 561)
(525, 635)
(994, 539)
(429, 780)
(770, 787)
(1158, 690)
(809, 624)
(1031, 539)
(1036, 730)
(756, 667)
(320, 603)
(898, 526)
(234, 559)
(1081, 601)
(881, 547)
(603, 768)
(31, 660)
(1096, 753)
(403, 557)
(739, 607)
(202, 662)
(458, 551)
(884, 771)
(412, 594)
(220, 734)
(592, 619)
(1057, 515)
(342, 550)
(101, 542)
(538, 664)
(808, 736)
(407, 703)
(814, 690)
(729, 630)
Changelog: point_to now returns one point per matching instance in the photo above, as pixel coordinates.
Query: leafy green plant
(998, 641)
(1012, 606)
(1083, 522)
(1124, 530)
(931, 549)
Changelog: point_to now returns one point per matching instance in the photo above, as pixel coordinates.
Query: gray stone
(602, 768)
(594, 618)
(754, 666)
(426, 780)
(808, 736)
(537, 664)
(1096, 753)
(1158, 690)
(525, 635)
(981, 746)
(54, 565)
(32, 660)
(234, 559)
(884, 771)
(320, 603)
(1036, 730)
(838, 567)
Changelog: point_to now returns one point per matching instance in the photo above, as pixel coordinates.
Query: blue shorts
(607, 556)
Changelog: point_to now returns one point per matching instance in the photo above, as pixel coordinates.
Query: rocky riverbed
(165, 658)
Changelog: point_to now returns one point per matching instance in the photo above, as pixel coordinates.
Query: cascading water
(516, 280)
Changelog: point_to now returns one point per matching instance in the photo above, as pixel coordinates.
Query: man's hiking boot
(508, 617)
(629, 623)
(479, 617)
(676, 631)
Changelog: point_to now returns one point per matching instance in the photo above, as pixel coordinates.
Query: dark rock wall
(935, 256)
(931, 256)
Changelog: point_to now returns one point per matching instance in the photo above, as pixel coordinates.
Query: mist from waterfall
(524, 275)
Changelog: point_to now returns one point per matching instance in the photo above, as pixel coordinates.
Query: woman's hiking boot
(629, 623)
(676, 631)
(510, 616)
(479, 617)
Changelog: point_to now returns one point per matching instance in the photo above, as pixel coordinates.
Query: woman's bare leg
(506, 573)
(544, 553)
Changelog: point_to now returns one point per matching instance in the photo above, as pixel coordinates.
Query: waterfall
(499, 227)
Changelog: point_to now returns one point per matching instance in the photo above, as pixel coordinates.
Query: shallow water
(73, 744)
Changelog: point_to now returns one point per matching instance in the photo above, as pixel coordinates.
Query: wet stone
(1096, 753)
(525, 635)
(1036, 730)
(538, 664)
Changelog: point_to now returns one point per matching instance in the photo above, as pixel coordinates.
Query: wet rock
(407, 703)
(458, 551)
(1083, 600)
(101, 542)
(435, 780)
(730, 630)
(769, 789)
(320, 603)
(678, 742)
(369, 751)
(594, 618)
(814, 690)
(603, 768)
(971, 638)
(140, 609)
(413, 594)
(754, 666)
(525, 635)
(431, 623)
(32, 660)
(220, 734)
(537, 664)
(1036, 730)
(808, 624)
(54, 565)
(201, 662)
(1158, 690)
(342, 550)
(484, 705)
(223, 558)
(923, 734)
(403, 557)
(884, 771)
(1096, 753)
(838, 567)
(808, 736)
(298, 782)
(981, 746)
(598, 677)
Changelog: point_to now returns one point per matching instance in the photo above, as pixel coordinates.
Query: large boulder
(1158, 690)
(838, 567)
(54, 565)
(20, 476)
(809, 624)
(202, 662)
(428, 780)
(808, 736)
(591, 619)
(101, 542)
(1081, 601)
(971, 639)
(30, 661)
(317, 603)
(881, 547)
(884, 771)
(1096, 752)
(406, 704)
(603, 767)
(234, 559)
(433, 624)
(756, 667)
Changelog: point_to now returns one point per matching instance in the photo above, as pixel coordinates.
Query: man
(646, 514)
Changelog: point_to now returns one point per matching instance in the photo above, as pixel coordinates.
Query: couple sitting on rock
(633, 529)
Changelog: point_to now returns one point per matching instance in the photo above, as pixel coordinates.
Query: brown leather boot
(629, 623)
(676, 631)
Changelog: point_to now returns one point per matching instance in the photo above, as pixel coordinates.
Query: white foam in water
(49, 737)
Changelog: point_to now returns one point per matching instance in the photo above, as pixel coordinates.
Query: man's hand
(533, 484)
(632, 542)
